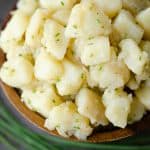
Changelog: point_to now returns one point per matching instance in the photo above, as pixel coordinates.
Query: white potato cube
(125, 25)
(96, 51)
(27, 6)
(35, 28)
(135, 6)
(136, 62)
(143, 18)
(117, 104)
(54, 39)
(137, 111)
(110, 7)
(47, 68)
(67, 121)
(143, 94)
(90, 105)
(111, 75)
(10, 36)
(41, 98)
(57, 4)
(72, 79)
(87, 20)
(17, 72)
(62, 16)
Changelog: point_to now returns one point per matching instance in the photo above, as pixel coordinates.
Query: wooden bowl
(100, 135)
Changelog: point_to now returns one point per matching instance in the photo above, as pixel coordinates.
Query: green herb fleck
(75, 26)
(58, 126)
(98, 21)
(82, 76)
(62, 3)
(90, 38)
(54, 101)
(77, 120)
(76, 127)
(34, 90)
(73, 53)
(32, 37)
(20, 55)
(91, 55)
(58, 80)
(100, 68)
(57, 40)
(140, 58)
(57, 34)
(29, 101)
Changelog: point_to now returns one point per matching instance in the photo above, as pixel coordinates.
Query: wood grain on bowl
(102, 136)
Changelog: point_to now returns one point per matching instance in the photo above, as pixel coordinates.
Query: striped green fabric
(14, 135)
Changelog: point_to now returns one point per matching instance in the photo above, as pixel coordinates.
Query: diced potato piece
(90, 105)
(54, 39)
(111, 75)
(136, 62)
(87, 20)
(35, 28)
(135, 6)
(67, 121)
(27, 6)
(17, 72)
(125, 25)
(41, 98)
(10, 36)
(47, 68)
(143, 95)
(62, 16)
(117, 104)
(137, 111)
(96, 50)
(143, 18)
(57, 4)
(110, 7)
(71, 80)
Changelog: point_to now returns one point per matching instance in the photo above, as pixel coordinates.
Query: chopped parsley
(82, 76)
(62, 3)
(76, 127)
(75, 26)
(57, 34)
(73, 53)
(58, 126)
(54, 101)
(90, 37)
(100, 68)
(91, 55)
(98, 21)
(34, 90)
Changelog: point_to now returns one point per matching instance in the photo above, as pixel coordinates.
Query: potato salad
(80, 63)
